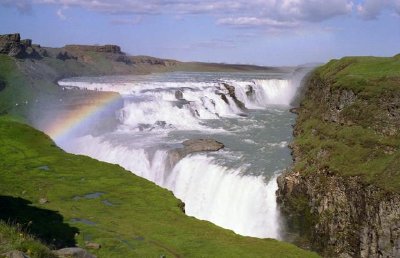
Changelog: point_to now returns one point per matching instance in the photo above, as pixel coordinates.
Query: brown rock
(92, 245)
(74, 252)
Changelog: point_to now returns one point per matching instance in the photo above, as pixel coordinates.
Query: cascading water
(234, 187)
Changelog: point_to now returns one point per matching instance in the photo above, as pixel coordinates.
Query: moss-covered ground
(365, 141)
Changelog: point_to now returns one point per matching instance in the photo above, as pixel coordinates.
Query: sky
(261, 32)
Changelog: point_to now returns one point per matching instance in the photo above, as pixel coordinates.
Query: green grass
(366, 140)
(12, 237)
(368, 76)
(144, 221)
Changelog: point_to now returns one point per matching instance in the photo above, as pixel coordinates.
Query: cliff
(343, 192)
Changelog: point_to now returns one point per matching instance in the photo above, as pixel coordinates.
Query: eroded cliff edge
(343, 192)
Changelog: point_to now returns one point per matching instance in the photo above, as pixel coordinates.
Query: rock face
(342, 216)
(104, 49)
(193, 146)
(10, 44)
(349, 219)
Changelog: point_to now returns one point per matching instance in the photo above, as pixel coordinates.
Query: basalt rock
(340, 215)
(104, 49)
(231, 93)
(193, 146)
(10, 44)
(346, 218)
(65, 55)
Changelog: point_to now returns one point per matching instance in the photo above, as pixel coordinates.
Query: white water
(234, 188)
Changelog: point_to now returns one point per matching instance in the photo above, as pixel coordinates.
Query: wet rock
(178, 94)
(294, 111)
(249, 91)
(193, 146)
(74, 252)
(14, 254)
(231, 93)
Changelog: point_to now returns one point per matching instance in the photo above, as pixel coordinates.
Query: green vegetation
(12, 237)
(129, 216)
(355, 131)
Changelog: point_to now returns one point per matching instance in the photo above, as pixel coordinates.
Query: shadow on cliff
(46, 225)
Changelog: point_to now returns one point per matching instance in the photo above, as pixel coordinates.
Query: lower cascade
(233, 187)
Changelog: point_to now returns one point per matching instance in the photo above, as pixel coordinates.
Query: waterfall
(157, 115)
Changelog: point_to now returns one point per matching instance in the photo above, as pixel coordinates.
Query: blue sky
(263, 32)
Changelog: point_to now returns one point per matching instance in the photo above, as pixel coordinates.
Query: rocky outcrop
(347, 218)
(341, 215)
(102, 49)
(65, 55)
(10, 44)
(231, 93)
(193, 146)
(73, 252)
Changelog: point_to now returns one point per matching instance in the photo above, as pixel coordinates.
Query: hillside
(346, 176)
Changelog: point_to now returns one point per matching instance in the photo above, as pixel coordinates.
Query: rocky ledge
(12, 45)
(193, 146)
(102, 49)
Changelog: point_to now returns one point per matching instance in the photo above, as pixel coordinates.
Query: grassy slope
(12, 237)
(144, 221)
(359, 145)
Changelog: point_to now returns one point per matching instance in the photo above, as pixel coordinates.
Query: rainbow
(72, 119)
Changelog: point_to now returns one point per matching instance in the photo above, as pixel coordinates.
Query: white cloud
(60, 13)
(371, 9)
(273, 14)
(129, 21)
(255, 22)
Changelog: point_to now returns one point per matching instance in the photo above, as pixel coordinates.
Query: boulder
(92, 245)
(73, 252)
(178, 94)
(14, 254)
(193, 146)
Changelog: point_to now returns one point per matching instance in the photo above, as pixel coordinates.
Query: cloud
(273, 14)
(60, 13)
(130, 21)
(256, 22)
(371, 9)
(23, 6)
